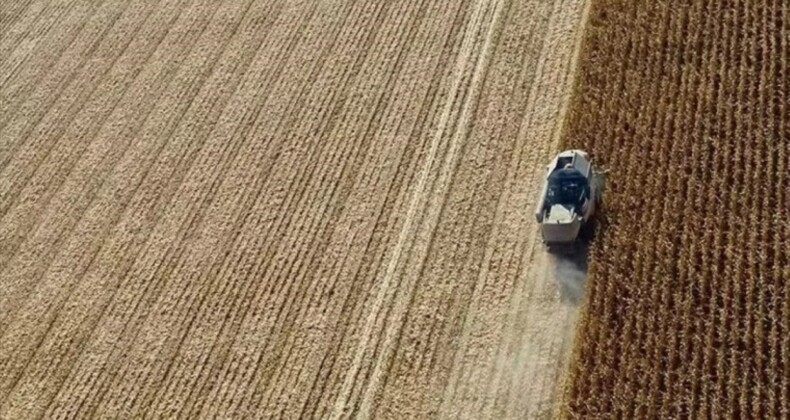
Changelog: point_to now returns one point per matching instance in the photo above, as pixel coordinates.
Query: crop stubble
(688, 301)
(293, 208)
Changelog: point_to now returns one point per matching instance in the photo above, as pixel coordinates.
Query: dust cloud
(570, 272)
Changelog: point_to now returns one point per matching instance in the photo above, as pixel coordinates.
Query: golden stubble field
(280, 208)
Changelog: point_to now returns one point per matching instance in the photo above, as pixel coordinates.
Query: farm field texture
(688, 310)
(282, 208)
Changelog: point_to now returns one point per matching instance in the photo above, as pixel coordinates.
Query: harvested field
(281, 208)
(688, 311)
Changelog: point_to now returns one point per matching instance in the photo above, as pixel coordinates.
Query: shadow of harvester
(569, 265)
(570, 271)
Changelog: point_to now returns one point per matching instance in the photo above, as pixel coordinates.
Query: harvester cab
(571, 192)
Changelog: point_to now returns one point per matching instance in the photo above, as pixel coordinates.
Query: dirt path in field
(286, 208)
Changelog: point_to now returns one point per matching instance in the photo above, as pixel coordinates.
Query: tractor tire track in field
(280, 209)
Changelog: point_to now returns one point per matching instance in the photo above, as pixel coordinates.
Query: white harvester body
(571, 191)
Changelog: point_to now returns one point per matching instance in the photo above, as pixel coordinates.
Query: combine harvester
(571, 193)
